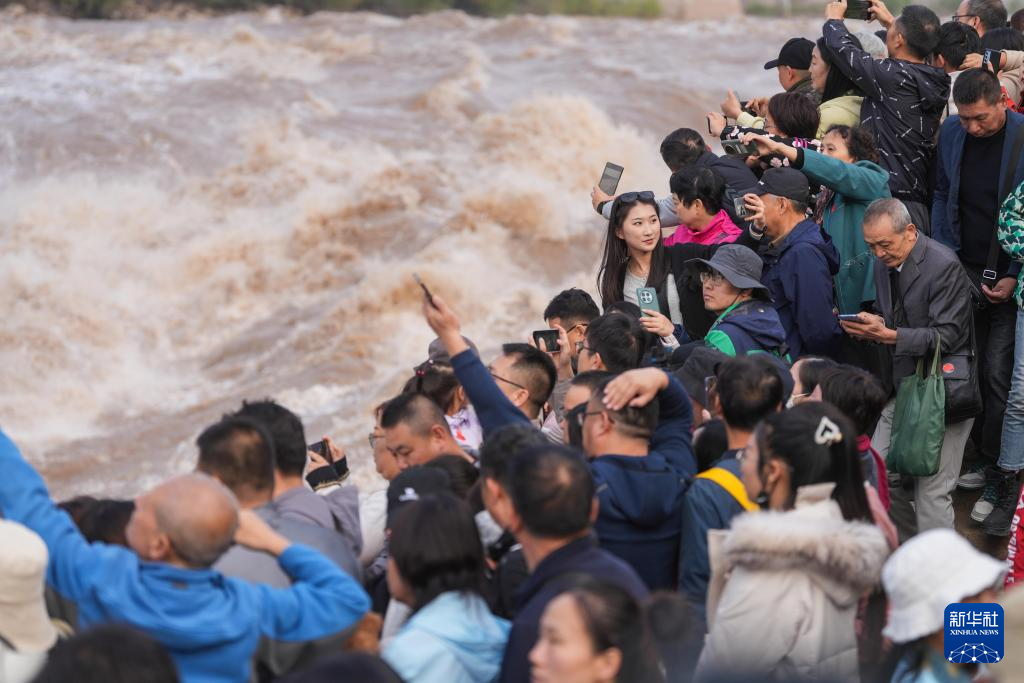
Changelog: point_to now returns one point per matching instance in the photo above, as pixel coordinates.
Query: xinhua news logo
(974, 633)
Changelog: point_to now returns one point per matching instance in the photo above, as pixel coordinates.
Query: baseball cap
(795, 53)
(413, 484)
(783, 182)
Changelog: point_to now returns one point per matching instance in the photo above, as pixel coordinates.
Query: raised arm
(869, 74)
(322, 600)
(861, 183)
(491, 405)
(671, 437)
(75, 565)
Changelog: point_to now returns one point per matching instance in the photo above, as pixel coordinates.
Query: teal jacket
(855, 187)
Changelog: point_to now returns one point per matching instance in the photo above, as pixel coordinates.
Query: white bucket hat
(23, 619)
(928, 572)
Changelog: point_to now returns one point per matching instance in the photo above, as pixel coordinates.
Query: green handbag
(919, 422)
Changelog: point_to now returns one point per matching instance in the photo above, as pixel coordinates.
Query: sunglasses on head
(630, 197)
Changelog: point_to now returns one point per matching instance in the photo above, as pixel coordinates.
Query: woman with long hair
(840, 98)
(799, 569)
(634, 258)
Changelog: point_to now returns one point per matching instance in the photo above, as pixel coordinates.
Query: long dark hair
(612, 275)
(436, 547)
(790, 436)
(836, 83)
(615, 619)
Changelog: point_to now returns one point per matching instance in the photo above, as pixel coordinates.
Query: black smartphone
(708, 119)
(745, 106)
(320, 448)
(858, 9)
(610, 178)
(737, 148)
(550, 338)
(426, 292)
(850, 318)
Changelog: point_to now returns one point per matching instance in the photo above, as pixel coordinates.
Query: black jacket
(551, 576)
(903, 105)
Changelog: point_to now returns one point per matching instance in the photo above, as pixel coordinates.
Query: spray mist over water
(196, 212)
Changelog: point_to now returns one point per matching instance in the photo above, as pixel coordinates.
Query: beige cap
(24, 622)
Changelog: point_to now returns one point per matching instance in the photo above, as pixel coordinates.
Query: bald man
(209, 623)
(416, 432)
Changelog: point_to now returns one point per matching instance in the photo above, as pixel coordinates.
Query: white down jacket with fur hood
(788, 608)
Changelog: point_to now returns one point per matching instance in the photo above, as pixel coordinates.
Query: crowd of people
(737, 462)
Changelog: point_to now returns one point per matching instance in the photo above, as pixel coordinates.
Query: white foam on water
(200, 211)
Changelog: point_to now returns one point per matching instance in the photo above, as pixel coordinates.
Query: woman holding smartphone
(635, 256)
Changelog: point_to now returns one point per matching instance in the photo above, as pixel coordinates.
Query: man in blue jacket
(799, 264)
(164, 586)
(647, 454)
(969, 189)
(747, 390)
(642, 460)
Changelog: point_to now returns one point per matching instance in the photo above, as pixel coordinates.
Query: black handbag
(963, 391)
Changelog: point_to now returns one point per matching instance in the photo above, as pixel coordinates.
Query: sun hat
(740, 266)
(23, 619)
(929, 572)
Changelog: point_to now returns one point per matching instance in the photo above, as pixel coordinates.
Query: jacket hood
(642, 491)
(809, 232)
(759, 320)
(844, 558)
(933, 87)
(469, 631)
(849, 104)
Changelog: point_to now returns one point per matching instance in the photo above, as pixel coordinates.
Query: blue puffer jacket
(209, 623)
(798, 273)
(640, 498)
(748, 327)
(453, 639)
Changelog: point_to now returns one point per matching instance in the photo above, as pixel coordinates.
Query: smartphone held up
(426, 292)
(550, 339)
(610, 178)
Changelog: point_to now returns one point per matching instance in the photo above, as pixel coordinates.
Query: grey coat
(934, 296)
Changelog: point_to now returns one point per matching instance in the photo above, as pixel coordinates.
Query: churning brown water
(195, 212)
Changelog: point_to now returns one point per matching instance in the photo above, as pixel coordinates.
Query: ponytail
(818, 443)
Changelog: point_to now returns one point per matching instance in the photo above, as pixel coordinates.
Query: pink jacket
(721, 229)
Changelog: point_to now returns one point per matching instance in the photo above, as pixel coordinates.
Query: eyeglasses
(507, 381)
(373, 438)
(958, 17)
(580, 345)
(711, 277)
(630, 197)
(582, 416)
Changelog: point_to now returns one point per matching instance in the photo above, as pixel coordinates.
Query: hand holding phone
(737, 148)
(851, 318)
(610, 178)
(858, 9)
(550, 339)
(647, 298)
(426, 292)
